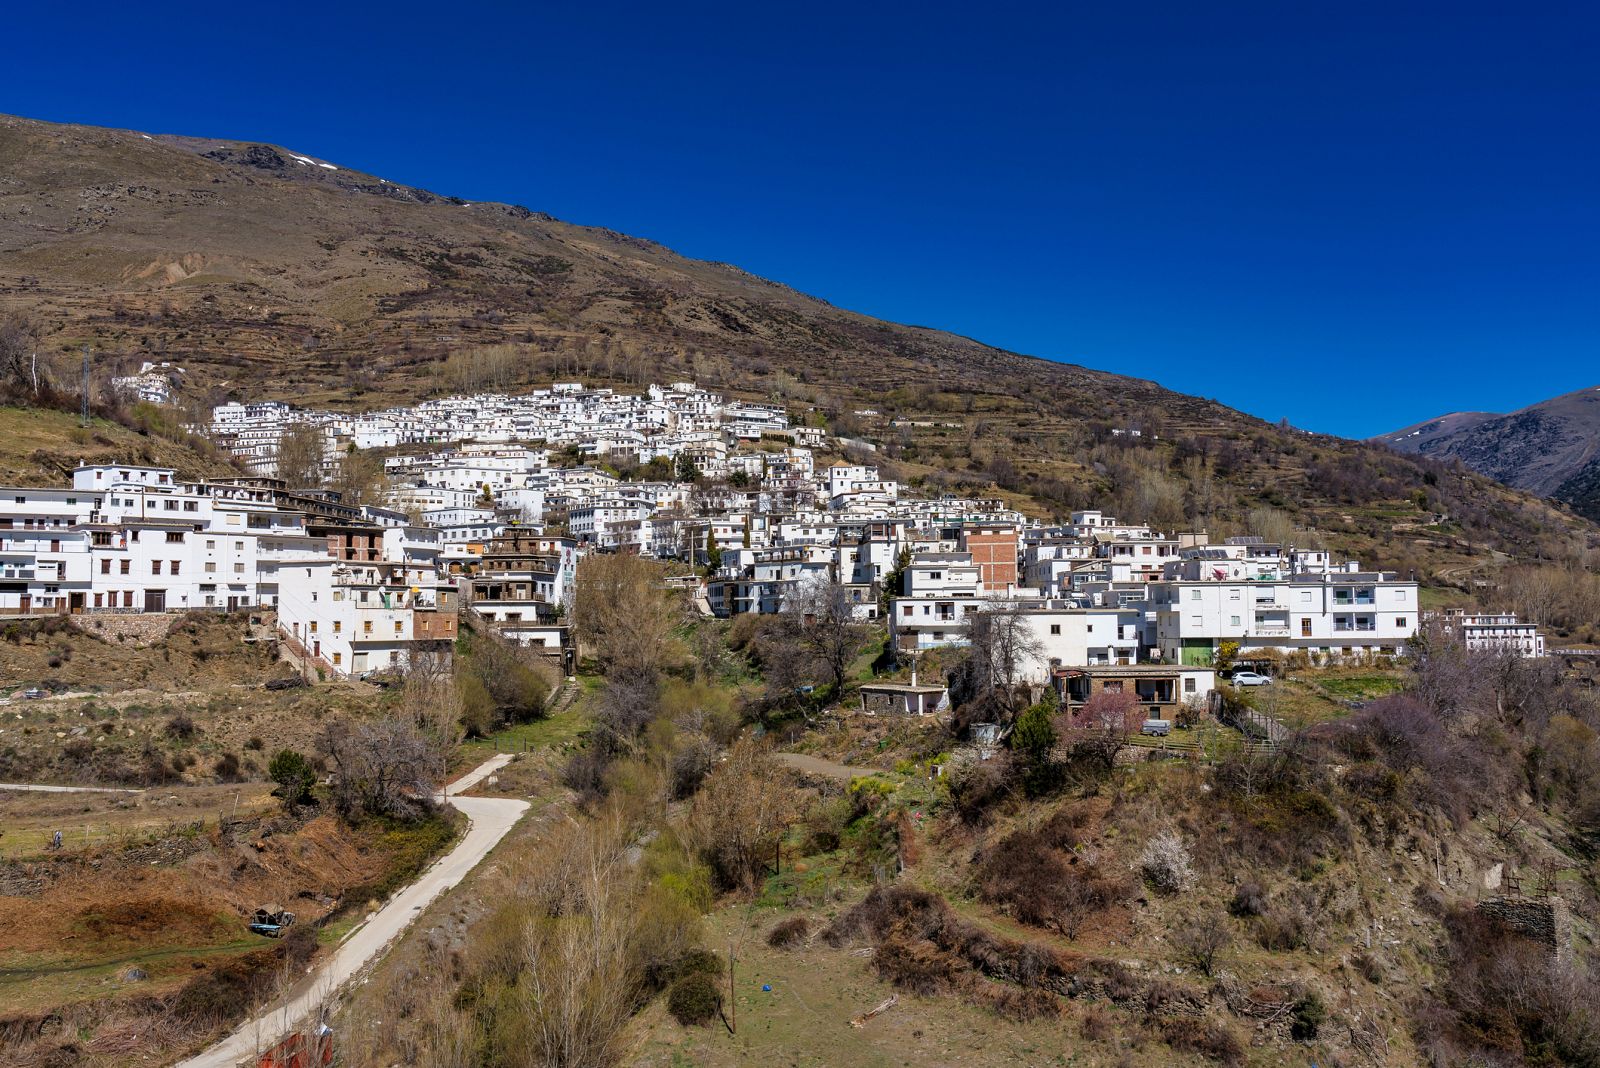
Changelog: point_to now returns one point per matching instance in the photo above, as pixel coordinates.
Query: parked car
(1156, 728)
(33, 693)
(1250, 678)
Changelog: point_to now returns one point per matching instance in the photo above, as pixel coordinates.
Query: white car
(1250, 678)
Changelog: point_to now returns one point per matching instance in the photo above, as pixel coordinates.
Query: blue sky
(1351, 215)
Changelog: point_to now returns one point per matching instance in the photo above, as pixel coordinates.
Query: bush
(1166, 864)
(979, 786)
(227, 767)
(255, 744)
(1307, 1017)
(1041, 879)
(789, 933)
(294, 775)
(694, 999)
(1213, 1041)
(1249, 899)
(181, 726)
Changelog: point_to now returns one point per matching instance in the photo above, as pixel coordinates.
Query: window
(399, 628)
(337, 659)
(1400, 621)
(238, 546)
(174, 569)
(366, 626)
(191, 506)
(1055, 628)
(238, 568)
(105, 566)
(1188, 684)
(211, 567)
(127, 598)
(211, 543)
(155, 567)
(124, 570)
(338, 627)
(98, 600)
(1305, 596)
(313, 626)
(1194, 595)
(1305, 627)
(1233, 621)
(1400, 595)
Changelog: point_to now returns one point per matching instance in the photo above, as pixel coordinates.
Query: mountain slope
(267, 272)
(1551, 448)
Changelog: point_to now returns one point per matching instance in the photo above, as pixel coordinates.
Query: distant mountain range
(1551, 448)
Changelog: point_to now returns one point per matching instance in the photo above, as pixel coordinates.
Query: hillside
(1551, 448)
(269, 273)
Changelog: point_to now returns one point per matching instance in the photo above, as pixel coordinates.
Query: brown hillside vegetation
(267, 276)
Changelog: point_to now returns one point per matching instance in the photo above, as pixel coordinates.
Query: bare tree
(741, 812)
(624, 614)
(823, 624)
(1002, 648)
(382, 767)
(299, 458)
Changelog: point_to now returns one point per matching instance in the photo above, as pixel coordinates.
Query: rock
(134, 975)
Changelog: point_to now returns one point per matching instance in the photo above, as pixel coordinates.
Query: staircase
(564, 697)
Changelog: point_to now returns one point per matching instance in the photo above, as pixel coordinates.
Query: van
(1156, 728)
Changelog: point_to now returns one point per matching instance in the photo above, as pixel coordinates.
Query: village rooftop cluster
(493, 500)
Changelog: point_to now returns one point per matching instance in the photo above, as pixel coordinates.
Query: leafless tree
(1001, 649)
(299, 458)
(383, 767)
(624, 614)
(822, 622)
(740, 813)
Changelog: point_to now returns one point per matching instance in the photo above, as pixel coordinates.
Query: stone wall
(1543, 920)
(137, 630)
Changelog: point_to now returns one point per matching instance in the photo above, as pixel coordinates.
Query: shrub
(1213, 1041)
(1043, 882)
(227, 767)
(255, 744)
(1307, 1017)
(979, 786)
(694, 999)
(1249, 899)
(1166, 864)
(789, 933)
(181, 726)
(294, 775)
(1201, 941)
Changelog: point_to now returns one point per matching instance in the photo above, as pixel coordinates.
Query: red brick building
(994, 550)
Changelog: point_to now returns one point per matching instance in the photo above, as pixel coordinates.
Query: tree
(893, 581)
(1001, 650)
(384, 768)
(360, 478)
(1104, 724)
(739, 815)
(295, 777)
(686, 469)
(823, 623)
(1034, 736)
(713, 551)
(299, 457)
(623, 613)
(19, 346)
(1201, 941)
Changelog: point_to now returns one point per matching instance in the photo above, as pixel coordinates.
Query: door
(77, 603)
(155, 600)
(27, 603)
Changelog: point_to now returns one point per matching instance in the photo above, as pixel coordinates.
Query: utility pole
(86, 385)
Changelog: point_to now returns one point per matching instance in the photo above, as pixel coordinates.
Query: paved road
(67, 789)
(490, 818)
(811, 765)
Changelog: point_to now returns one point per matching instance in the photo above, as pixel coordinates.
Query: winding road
(489, 819)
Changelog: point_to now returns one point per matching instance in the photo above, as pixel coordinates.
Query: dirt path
(811, 765)
(489, 818)
(67, 789)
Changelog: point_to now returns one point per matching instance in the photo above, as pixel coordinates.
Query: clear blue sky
(1352, 215)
